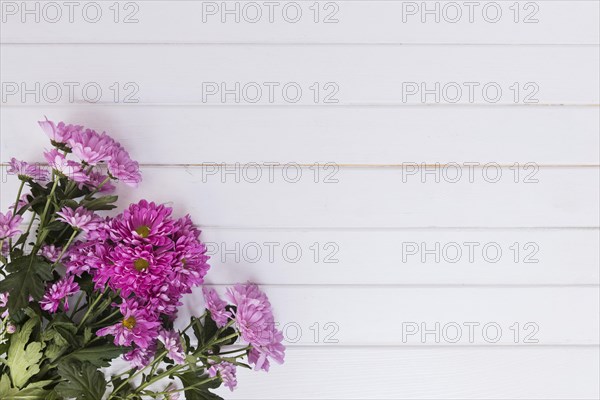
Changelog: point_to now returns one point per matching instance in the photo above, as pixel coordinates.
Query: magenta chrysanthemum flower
(216, 306)
(144, 223)
(58, 292)
(254, 319)
(138, 326)
(140, 358)
(226, 371)
(123, 168)
(50, 252)
(172, 342)
(60, 133)
(27, 171)
(139, 269)
(91, 147)
(9, 225)
(68, 168)
(81, 218)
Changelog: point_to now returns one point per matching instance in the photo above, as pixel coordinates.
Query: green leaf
(101, 203)
(35, 391)
(81, 381)
(98, 356)
(23, 359)
(27, 278)
(200, 392)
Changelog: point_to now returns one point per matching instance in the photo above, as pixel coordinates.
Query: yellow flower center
(184, 261)
(143, 231)
(129, 323)
(140, 264)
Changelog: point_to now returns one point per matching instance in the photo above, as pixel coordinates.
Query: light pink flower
(91, 147)
(68, 168)
(81, 218)
(9, 225)
(172, 342)
(216, 306)
(123, 168)
(27, 171)
(226, 371)
(254, 319)
(58, 292)
(60, 133)
(50, 252)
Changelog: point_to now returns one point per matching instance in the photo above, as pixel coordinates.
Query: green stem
(46, 207)
(96, 190)
(188, 387)
(107, 318)
(88, 312)
(234, 351)
(19, 196)
(28, 230)
(76, 307)
(64, 249)
(131, 377)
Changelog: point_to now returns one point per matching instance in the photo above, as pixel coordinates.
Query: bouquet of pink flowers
(79, 290)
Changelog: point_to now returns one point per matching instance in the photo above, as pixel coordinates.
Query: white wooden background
(371, 138)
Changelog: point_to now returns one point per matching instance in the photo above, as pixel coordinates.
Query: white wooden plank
(368, 197)
(457, 373)
(544, 257)
(544, 22)
(185, 74)
(353, 315)
(367, 135)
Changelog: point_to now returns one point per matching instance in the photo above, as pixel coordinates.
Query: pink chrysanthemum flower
(9, 225)
(259, 355)
(138, 326)
(144, 223)
(172, 342)
(27, 171)
(81, 218)
(91, 147)
(226, 371)
(123, 168)
(50, 252)
(68, 168)
(58, 292)
(60, 133)
(254, 319)
(216, 306)
(191, 260)
(140, 358)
